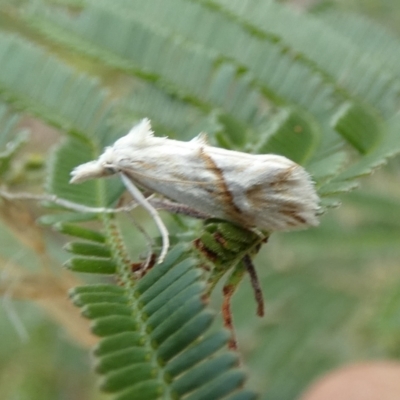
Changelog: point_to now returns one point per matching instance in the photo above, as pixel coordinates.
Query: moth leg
(255, 283)
(138, 196)
(141, 268)
(228, 291)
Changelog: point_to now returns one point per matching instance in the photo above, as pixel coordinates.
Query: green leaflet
(358, 126)
(11, 140)
(320, 89)
(136, 348)
(295, 135)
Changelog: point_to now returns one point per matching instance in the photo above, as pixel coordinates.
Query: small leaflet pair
(258, 194)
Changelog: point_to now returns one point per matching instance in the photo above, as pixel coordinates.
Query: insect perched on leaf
(246, 196)
(256, 194)
(268, 192)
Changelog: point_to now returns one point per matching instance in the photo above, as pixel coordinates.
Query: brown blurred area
(365, 381)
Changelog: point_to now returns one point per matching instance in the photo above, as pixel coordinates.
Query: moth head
(139, 136)
(102, 167)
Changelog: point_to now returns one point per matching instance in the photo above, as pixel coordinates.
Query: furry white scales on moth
(268, 192)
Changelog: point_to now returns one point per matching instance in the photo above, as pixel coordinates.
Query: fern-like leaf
(154, 336)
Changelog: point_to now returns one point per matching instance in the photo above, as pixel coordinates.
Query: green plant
(256, 77)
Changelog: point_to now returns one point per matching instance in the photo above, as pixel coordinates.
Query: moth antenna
(161, 204)
(70, 205)
(138, 196)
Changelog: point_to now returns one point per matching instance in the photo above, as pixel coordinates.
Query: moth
(266, 192)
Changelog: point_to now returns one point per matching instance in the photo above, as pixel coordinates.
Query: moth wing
(139, 135)
(200, 139)
(271, 191)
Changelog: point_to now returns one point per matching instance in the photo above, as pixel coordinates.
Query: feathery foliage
(319, 88)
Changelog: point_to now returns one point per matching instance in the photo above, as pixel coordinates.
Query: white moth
(268, 192)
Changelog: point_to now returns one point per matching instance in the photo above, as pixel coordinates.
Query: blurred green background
(347, 312)
(386, 12)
